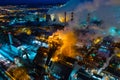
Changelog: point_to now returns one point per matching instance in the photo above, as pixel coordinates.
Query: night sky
(10, 2)
(2, 2)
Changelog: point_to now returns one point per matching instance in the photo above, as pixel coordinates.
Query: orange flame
(68, 40)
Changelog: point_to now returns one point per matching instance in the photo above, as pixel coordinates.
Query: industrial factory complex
(64, 40)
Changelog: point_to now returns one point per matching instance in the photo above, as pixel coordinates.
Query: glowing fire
(62, 18)
(67, 39)
(24, 30)
(96, 41)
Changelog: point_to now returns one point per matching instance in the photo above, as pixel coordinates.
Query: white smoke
(105, 64)
(106, 10)
(113, 2)
(108, 60)
(86, 4)
(69, 6)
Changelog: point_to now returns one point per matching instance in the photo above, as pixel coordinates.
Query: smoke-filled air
(91, 22)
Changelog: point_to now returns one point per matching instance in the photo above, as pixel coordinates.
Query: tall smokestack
(88, 18)
(65, 16)
(72, 16)
(10, 38)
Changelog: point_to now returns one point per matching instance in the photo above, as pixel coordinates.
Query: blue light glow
(57, 76)
(94, 18)
(42, 19)
(112, 31)
(6, 55)
(43, 44)
(119, 32)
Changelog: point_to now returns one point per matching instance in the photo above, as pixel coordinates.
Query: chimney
(88, 18)
(10, 38)
(65, 16)
(72, 16)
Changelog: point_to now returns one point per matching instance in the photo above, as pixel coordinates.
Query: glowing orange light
(67, 39)
(62, 18)
(96, 41)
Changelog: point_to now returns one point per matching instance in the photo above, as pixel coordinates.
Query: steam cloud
(106, 10)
